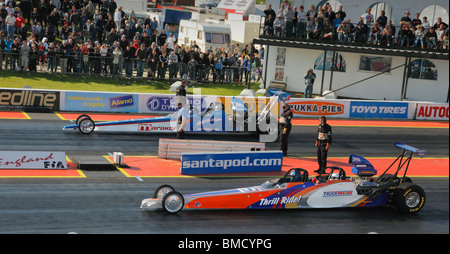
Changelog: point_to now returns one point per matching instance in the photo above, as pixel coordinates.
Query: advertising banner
(29, 99)
(231, 162)
(379, 109)
(235, 6)
(165, 103)
(100, 102)
(32, 160)
(432, 111)
(316, 108)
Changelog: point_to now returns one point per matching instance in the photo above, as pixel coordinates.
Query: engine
(364, 183)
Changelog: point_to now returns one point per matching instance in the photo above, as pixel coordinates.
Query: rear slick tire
(409, 198)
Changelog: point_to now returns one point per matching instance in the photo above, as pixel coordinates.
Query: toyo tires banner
(379, 109)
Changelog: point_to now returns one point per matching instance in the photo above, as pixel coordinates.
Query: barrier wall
(84, 101)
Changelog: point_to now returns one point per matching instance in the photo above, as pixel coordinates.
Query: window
(375, 63)
(200, 35)
(227, 38)
(334, 60)
(333, 3)
(376, 9)
(208, 37)
(422, 69)
(217, 38)
(433, 12)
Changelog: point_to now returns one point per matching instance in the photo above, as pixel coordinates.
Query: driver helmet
(334, 176)
(295, 176)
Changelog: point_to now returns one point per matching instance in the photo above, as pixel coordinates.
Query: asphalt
(106, 202)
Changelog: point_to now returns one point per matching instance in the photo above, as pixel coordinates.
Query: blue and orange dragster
(332, 189)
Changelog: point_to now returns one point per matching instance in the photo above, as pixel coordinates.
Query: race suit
(285, 129)
(324, 137)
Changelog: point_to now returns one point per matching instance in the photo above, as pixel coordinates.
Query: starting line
(151, 166)
(70, 172)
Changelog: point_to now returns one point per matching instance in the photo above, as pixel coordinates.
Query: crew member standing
(182, 120)
(323, 143)
(285, 127)
(180, 96)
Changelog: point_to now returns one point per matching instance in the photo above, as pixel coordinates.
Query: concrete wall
(385, 86)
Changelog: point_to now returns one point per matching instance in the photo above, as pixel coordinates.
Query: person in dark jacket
(128, 56)
(285, 127)
(180, 96)
(323, 142)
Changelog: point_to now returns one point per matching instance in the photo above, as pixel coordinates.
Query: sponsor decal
(328, 194)
(432, 111)
(317, 108)
(121, 101)
(168, 104)
(367, 109)
(228, 163)
(231, 162)
(102, 102)
(32, 160)
(20, 99)
(279, 200)
(150, 127)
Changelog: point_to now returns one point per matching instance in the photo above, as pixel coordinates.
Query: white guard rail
(173, 148)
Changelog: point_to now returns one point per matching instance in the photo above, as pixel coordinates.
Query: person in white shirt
(182, 119)
(279, 26)
(368, 18)
(301, 17)
(10, 24)
(426, 25)
(171, 42)
(118, 17)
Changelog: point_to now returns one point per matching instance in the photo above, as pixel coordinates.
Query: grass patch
(81, 82)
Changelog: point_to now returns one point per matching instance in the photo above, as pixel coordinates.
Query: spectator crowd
(98, 37)
(326, 24)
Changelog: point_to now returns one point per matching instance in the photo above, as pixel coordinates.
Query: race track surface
(106, 202)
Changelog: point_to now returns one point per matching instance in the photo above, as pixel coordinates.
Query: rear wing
(415, 151)
(404, 159)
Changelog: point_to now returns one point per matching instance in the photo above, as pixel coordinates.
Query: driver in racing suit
(323, 143)
(285, 127)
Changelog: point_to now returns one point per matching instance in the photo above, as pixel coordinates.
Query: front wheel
(162, 190)
(409, 198)
(173, 202)
(86, 126)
